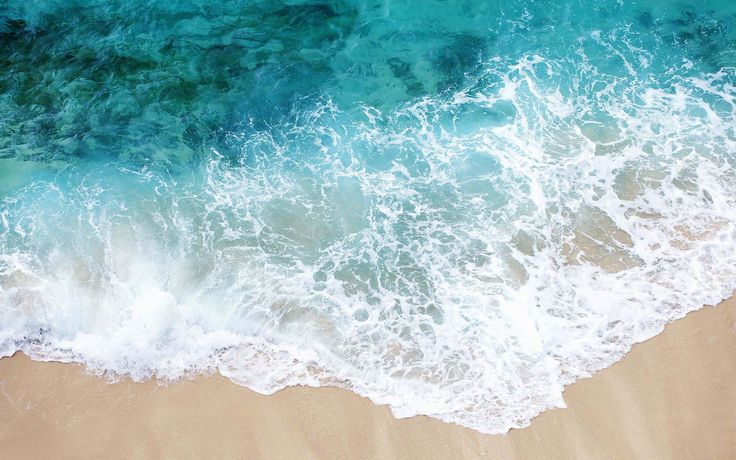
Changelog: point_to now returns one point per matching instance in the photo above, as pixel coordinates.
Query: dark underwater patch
(98, 82)
(459, 58)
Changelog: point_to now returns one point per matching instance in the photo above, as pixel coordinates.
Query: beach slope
(671, 397)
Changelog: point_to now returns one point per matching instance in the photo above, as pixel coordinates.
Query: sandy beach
(447, 208)
(670, 397)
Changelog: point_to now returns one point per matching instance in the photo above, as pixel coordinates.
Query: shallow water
(454, 208)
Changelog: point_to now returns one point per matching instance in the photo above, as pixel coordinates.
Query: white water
(463, 257)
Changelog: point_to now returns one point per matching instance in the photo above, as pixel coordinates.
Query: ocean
(454, 208)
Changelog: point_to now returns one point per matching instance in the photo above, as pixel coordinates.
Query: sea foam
(463, 255)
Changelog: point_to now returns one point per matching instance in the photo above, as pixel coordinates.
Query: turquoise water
(453, 208)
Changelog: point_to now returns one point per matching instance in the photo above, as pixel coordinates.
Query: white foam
(430, 259)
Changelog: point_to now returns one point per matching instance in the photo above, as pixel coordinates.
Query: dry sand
(671, 397)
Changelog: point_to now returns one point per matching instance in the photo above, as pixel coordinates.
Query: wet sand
(673, 396)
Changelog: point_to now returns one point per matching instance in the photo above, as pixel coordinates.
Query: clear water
(454, 208)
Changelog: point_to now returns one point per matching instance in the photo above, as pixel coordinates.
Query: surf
(459, 240)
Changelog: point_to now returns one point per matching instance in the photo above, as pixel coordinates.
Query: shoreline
(670, 397)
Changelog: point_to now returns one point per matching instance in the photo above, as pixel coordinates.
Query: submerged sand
(673, 396)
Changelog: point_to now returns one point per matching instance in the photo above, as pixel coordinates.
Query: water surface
(454, 208)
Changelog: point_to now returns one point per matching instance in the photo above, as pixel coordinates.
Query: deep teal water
(451, 207)
(154, 82)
